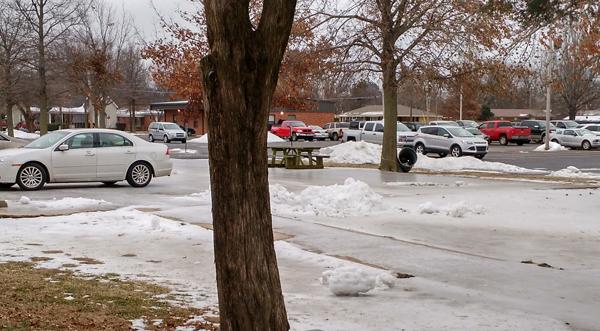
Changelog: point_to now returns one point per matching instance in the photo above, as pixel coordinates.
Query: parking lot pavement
(524, 156)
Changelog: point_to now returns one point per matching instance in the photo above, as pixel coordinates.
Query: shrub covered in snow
(353, 153)
(554, 147)
(353, 198)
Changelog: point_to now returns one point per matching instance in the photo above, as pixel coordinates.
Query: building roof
(518, 112)
(377, 111)
(169, 105)
(139, 113)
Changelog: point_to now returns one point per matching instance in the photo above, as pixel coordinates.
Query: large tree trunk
(390, 117)
(239, 77)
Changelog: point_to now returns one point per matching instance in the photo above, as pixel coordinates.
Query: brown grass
(34, 299)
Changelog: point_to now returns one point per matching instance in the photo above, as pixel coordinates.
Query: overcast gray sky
(145, 16)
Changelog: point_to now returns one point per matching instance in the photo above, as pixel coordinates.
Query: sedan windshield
(402, 128)
(296, 124)
(583, 132)
(171, 126)
(470, 124)
(47, 140)
(459, 132)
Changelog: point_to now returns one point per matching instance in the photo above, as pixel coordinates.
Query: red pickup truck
(505, 132)
(293, 130)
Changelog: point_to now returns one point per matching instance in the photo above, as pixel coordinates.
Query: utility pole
(554, 47)
(461, 102)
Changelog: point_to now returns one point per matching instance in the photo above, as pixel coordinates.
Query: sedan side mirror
(63, 147)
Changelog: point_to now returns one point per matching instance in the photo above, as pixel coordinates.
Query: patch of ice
(353, 153)
(64, 203)
(554, 147)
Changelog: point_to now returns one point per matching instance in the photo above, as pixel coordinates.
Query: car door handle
(130, 152)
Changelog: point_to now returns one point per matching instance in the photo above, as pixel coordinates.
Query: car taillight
(168, 152)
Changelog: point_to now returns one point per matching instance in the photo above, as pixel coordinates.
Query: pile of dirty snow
(457, 210)
(353, 281)
(573, 172)
(468, 163)
(271, 138)
(23, 135)
(353, 153)
(554, 147)
(63, 204)
(353, 198)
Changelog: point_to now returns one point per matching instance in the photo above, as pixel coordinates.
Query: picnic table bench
(301, 157)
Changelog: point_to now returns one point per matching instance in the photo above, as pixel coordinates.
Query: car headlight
(468, 142)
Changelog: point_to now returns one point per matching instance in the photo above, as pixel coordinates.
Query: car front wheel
(503, 140)
(151, 138)
(586, 145)
(31, 177)
(455, 151)
(166, 139)
(139, 174)
(334, 137)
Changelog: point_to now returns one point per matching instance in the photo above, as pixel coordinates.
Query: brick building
(323, 113)
(184, 114)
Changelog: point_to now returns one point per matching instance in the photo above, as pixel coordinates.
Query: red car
(505, 132)
(293, 130)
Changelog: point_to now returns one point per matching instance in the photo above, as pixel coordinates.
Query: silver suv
(166, 131)
(452, 140)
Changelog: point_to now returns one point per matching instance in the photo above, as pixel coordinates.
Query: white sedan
(84, 155)
(576, 138)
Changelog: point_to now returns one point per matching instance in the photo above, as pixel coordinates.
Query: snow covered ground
(24, 135)
(356, 153)
(349, 230)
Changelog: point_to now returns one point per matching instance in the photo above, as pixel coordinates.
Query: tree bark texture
(390, 117)
(239, 76)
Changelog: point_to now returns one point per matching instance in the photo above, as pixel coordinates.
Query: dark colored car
(190, 131)
(538, 129)
(413, 126)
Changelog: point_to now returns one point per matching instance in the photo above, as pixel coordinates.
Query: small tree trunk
(390, 118)
(43, 87)
(239, 77)
(10, 125)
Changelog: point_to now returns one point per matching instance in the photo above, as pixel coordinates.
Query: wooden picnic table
(296, 157)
